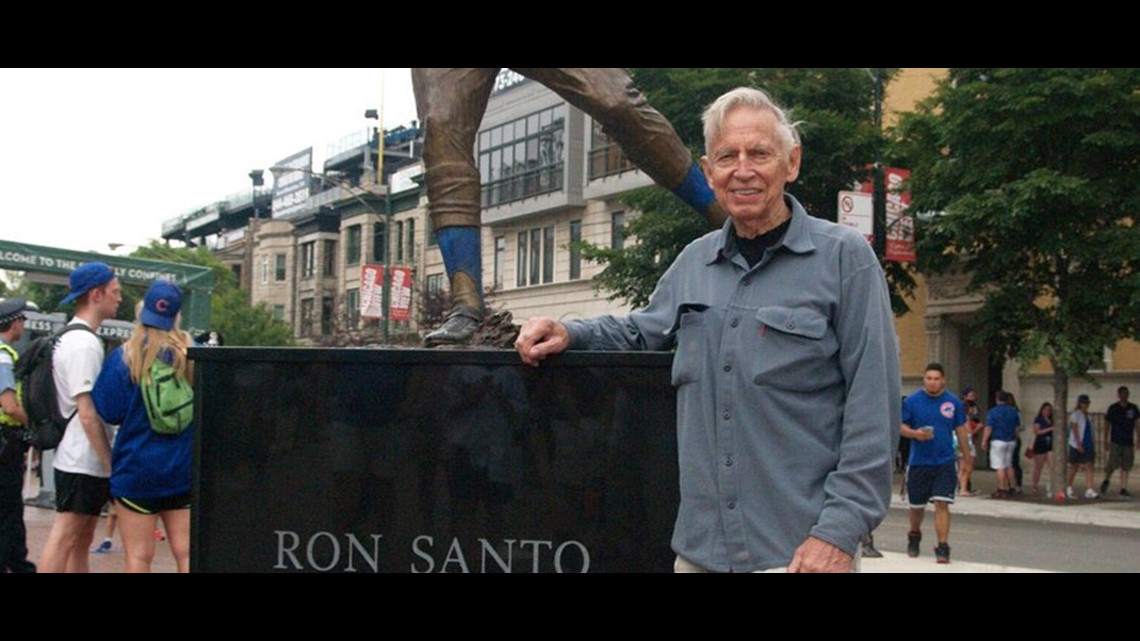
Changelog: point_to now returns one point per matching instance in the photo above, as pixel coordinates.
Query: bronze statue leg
(646, 137)
(450, 103)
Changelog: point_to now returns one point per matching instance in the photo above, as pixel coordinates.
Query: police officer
(13, 535)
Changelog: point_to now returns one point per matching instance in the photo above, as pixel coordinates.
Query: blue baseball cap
(87, 277)
(161, 305)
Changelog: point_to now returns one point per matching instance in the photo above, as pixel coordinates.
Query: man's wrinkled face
(748, 165)
(933, 382)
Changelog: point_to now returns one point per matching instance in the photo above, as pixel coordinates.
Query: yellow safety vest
(4, 418)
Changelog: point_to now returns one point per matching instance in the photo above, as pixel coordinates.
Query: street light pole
(878, 187)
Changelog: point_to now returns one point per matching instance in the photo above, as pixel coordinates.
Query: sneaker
(1000, 494)
(1069, 492)
(1125, 493)
(1091, 494)
(1104, 487)
(942, 553)
(913, 539)
(102, 548)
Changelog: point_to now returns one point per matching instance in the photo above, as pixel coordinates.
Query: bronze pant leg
(608, 95)
(450, 103)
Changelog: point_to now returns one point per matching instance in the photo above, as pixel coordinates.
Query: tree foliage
(1035, 175)
(834, 109)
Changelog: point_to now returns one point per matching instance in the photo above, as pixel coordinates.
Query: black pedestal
(352, 460)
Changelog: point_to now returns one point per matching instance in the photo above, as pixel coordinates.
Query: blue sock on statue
(461, 252)
(694, 190)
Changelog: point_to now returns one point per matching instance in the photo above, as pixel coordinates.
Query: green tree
(230, 312)
(834, 109)
(1035, 175)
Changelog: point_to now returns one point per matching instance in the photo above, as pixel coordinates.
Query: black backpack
(34, 373)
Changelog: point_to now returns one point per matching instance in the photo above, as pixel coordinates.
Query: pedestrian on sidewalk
(1000, 440)
(1042, 444)
(1124, 426)
(930, 418)
(1081, 450)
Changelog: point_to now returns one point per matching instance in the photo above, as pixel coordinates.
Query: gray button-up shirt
(788, 391)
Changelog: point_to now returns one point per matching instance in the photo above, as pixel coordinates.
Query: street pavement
(1111, 511)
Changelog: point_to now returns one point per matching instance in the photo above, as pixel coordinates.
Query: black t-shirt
(1123, 421)
(752, 249)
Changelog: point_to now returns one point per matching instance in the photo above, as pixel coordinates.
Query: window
(400, 242)
(500, 259)
(264, 270)
(520, 261)
(352, 308)
(432, 237)
(606, 157)
(236, 269)
(306, 316)
(379, 244)
(352, 246)
(279, 274)
(535, 256)
(328, 263)
(435, 283)
(522, 158)
(411, 240)
(279, 313)
(308, 259)
(617, 230)
(575, 251)
(326, 315)
(548, 254)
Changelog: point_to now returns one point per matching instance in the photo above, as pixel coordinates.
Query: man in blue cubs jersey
(930, 418)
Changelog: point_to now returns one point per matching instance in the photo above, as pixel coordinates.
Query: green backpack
(169, 400)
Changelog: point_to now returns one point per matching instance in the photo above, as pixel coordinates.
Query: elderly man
(786, 363)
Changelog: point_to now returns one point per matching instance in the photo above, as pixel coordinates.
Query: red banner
(900, 223)
(372, 291)
(401, 293)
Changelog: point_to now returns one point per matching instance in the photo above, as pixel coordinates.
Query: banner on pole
(401, 293)
(372, 292)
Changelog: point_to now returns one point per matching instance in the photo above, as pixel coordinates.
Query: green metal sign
(197, 282)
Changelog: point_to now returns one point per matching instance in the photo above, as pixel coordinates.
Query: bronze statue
(451, 102)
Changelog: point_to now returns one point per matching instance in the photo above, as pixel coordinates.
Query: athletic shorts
(931, 483)
(1076, 458)
(1001, 454)
(1121, 456)
(155, 506)
(81, 493)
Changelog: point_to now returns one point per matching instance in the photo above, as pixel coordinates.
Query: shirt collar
(796, 240)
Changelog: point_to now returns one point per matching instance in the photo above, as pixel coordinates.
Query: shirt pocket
(692, 331)
(796, 350)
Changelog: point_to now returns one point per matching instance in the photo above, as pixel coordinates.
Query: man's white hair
(714, 115)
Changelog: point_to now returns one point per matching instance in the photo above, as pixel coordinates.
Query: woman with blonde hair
(150, 470)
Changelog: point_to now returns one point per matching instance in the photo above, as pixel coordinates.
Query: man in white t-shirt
(83, 458)
(1081, 452)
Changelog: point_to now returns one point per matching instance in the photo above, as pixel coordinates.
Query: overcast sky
(92, 156)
